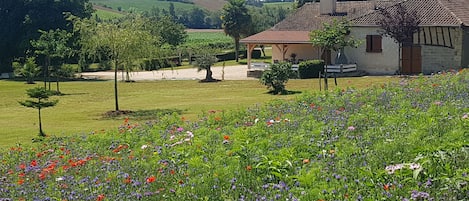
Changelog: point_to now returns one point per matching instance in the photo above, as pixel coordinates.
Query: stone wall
(439, 58)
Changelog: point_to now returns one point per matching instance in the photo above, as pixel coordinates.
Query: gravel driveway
(230, 73)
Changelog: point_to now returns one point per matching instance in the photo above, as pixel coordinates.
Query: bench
(341, 68)
(259, 66)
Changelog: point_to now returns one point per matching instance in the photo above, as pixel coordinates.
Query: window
(373, 43)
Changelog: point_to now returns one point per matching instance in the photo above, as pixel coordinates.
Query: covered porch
(287, 46)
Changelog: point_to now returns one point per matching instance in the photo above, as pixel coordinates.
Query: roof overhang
(278, 37)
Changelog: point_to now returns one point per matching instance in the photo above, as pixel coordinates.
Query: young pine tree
(41, 95)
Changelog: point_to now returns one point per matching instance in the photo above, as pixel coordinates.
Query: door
(411, 59)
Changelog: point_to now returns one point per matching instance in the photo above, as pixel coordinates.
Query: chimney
(327, 7)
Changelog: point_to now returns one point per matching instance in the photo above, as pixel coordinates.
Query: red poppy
(151, 179)
(127, 180)
(42, 175)
(100, 197)
(386, 187)
(21, 181)
(226, 137)
(33, 163)
(172, 172)
(22, 166)
(248, 168)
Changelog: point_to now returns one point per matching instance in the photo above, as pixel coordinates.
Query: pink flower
(414, 166)
(351, 128)
(180, 129)
(465, 116)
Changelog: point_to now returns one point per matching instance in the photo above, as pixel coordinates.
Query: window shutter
(369, 43)
(376, 43)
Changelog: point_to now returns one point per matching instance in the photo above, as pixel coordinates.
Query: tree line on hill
(198, 18)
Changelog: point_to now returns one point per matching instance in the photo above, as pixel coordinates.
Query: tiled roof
(308, 17)
(460, 8)
(430, 12)
(296, 27)
(278, 37)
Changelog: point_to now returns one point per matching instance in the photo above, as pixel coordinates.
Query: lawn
(405, 140)
(81, 109)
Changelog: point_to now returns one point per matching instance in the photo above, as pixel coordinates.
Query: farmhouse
(442, 42)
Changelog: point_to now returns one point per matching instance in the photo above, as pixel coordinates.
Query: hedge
(310, 69)
(157, 63)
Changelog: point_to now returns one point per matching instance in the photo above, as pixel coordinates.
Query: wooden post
(320, 81)
(335, 79)
(325, 78)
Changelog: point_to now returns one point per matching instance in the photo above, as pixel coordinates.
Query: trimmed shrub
(256, 54)
(310, 69)
(226, 56)
(276, 77)
(157, 63)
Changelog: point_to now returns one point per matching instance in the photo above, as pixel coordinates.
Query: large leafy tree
(124, 41)
(170, 32)
(236, 21)
(21, 19)
(40, 100)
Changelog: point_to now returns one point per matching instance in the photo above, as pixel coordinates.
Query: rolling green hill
(143, 5)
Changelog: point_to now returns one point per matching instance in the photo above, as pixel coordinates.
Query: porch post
(249, 51)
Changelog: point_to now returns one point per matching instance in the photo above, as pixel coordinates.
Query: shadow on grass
(141, 114)
(287, 92)
(53, 81)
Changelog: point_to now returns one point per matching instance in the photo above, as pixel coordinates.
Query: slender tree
(236, 21)
(333, 36)
(53, 44)
(400, 24)
(126, 41)
(42, 96)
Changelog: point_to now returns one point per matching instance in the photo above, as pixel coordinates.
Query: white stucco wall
(302, 51)
(385, 62)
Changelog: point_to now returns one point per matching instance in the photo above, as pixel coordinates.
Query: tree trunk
(115, 85)
(208, 75)
(41, 133)
(237, 49)
(57, 82)
(45, 68)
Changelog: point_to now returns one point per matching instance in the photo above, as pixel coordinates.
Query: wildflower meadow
(407, 140)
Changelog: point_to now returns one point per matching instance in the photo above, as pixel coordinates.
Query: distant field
(105, 13)
(286, 5)
(141, 5)
(210, 4)
(212, 38)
